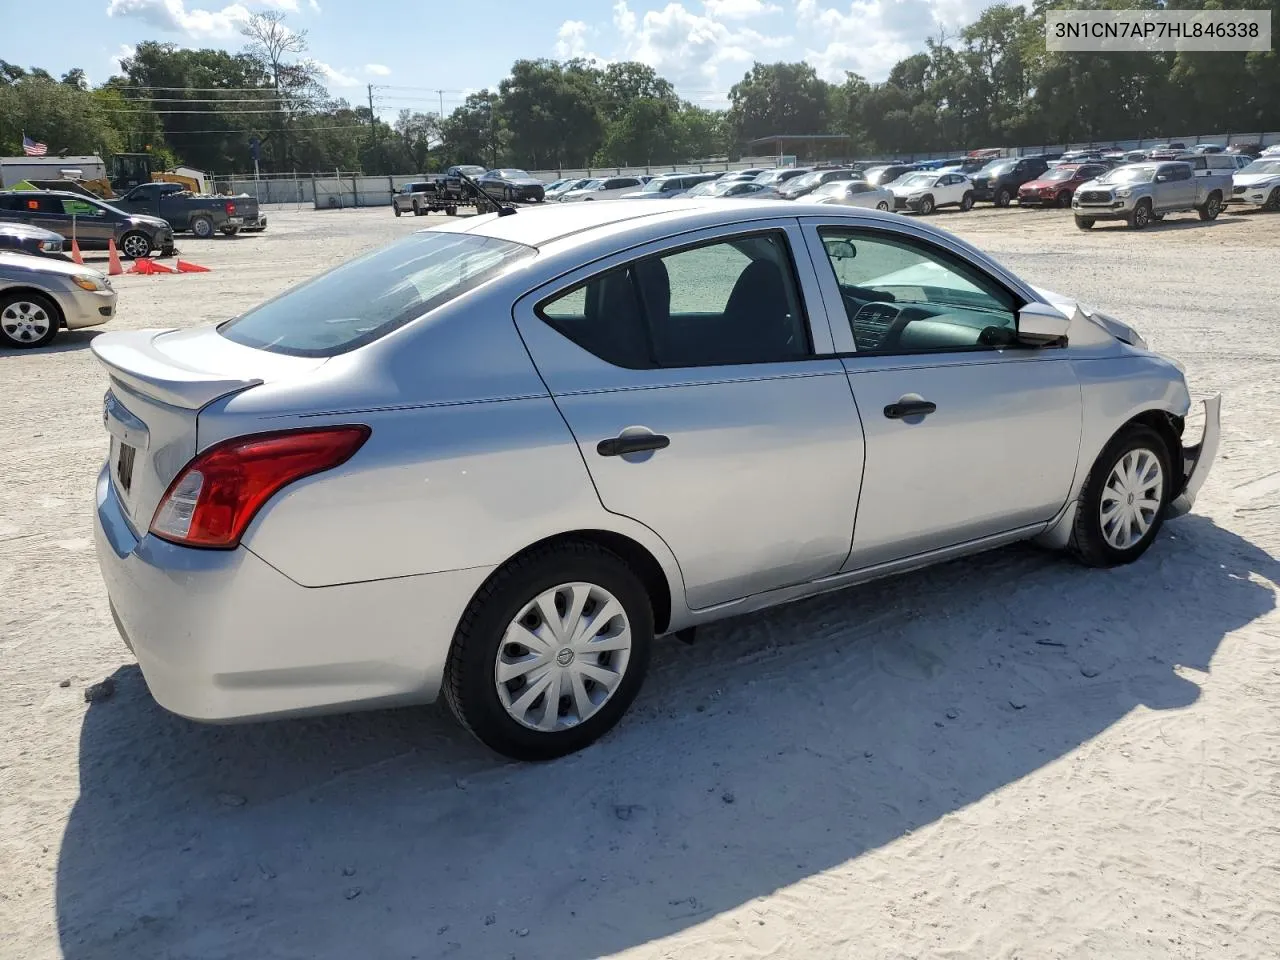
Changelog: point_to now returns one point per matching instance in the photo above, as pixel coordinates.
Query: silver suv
(1141, 192)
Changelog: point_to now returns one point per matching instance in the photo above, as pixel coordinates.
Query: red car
(1058, 184)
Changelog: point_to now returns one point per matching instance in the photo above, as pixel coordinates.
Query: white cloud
(377, 70)
(174, 17)
(315, 7)
(126, 51)
(738, 9)
(335, 77)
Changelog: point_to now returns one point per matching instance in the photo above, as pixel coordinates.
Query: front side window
(732, 301)
(902, 296)
(367, 298)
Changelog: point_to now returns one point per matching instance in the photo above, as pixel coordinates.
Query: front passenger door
(968, 435)
(693, 382)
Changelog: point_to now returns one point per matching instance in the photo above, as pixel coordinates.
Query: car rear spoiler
(133, 358)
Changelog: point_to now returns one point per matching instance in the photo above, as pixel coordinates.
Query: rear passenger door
(689, 374)
(90, 221)
(1178, 190)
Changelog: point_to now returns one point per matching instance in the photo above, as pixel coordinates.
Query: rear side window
(367, 298)
(725, 302)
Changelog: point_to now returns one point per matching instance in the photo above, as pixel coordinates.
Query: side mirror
(840, 249)
(1161, 178)
(1040, 325)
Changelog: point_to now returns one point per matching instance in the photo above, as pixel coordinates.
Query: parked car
(21, 238)
(1125, 156)
(466, 170)
(776, 178)
(609, 188)
(510, 184)
(187, 211)
(1258, 184)
(749, 174)
(926, 190)
(1250, 150)
(1241, 160)
(853, 193)
(560, 188)
(733, 188)
(999, 181)
(885, 174)
(1078, 156)
(93, 222)
(1271, 151)
(376, 546)
(939, 164)
(1057, 185)
(40, 296)
(1167, 151)
(669, 185)
(1141, 192)
(1208, 148)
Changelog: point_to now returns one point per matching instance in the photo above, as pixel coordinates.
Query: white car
(1258, 183)
(926, 190)
(610, 188)
(853, 193)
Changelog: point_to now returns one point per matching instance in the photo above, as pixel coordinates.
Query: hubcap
(1131, 498)
(137, 247)
(25, 321)
(562, 657)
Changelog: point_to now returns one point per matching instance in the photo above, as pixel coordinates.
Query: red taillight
(231, 209)
(213, 498)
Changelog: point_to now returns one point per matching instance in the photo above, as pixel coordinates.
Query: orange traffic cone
(113, 266)
(147, 266)
(185, 267)
(75, 252)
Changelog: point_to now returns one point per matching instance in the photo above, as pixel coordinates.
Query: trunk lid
(160, 380)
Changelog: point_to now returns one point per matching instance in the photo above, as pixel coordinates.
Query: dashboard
(882, 321)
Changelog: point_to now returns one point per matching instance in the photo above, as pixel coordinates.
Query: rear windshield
(369, 297)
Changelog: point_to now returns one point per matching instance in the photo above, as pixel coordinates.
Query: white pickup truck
(1139, 193)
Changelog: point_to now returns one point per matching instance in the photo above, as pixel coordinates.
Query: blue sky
(411, 49)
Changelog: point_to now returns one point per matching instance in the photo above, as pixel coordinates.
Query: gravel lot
(1004, 757)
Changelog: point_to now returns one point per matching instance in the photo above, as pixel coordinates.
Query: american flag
(33, 149)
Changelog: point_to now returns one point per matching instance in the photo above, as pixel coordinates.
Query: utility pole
(373, 121)
(441, 94)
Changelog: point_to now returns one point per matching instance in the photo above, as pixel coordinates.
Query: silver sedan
(495, 459)
(40, 296)
(853, 193)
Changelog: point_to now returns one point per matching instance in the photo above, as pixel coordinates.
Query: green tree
(778, 98)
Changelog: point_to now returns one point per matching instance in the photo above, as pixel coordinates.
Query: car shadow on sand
(776, 747)
(65, 342)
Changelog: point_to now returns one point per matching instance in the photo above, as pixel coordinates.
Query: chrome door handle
(909, 408)
(632, 443)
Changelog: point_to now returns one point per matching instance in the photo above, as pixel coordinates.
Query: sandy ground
(1006, 757)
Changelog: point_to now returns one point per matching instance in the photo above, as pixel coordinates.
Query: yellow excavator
(126, 170)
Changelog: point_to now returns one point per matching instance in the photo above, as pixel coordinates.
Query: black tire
(1064, 200)
(883, 206)
(451, 211)
(1003, 197)
(1273, 201)
(469, 684)
(1088, 540)
(926, 205)
(1212, 207)
(230, 231)
(396, 210)
(202, 227)
(11, 334)
(1140, 219)
(417, 210)
(1085, 223)
(135, 245)
(966, 202)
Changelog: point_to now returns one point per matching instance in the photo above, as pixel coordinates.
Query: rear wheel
(551, 651)
(1212, 207)
(137, 245)
(1085, 223)
(1124, 500)
(966, 203)
(451, 211)
(27, 320)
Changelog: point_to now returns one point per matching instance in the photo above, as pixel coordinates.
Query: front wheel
(27, 320)
(966, 203)
(1085, 223)
(136, 245)
(1064, 200)
(1141, 216)
(883, 206)
(1212, 207)
(1124, 500)
(1273, 201)
(926, 206)
(396, 209)
(202, 227)
(1003, 197)
(551, 651)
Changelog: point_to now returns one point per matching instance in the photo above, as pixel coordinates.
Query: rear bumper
(223, 636)
(1197, 460)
